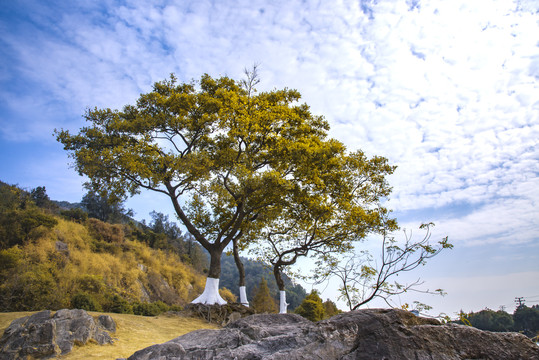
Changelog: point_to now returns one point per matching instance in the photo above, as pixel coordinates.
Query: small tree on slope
(262, 300)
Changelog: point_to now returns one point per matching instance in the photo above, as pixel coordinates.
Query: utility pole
(519, 301)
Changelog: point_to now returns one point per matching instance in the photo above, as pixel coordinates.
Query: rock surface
(363, 334)
(43, 335)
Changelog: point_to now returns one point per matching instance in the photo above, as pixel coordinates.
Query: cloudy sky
(446, 90)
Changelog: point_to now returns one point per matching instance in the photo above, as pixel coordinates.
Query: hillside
(105, 270)
(47, 261)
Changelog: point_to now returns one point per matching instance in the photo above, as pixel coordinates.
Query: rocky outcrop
(43, 335)
(363, 334)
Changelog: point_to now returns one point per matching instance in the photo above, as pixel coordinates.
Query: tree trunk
(215, 263)
(239, 264)
(211, 296)
(243, 296)
(282, 302)
(278, 277)
(280, 284)
(241, 272)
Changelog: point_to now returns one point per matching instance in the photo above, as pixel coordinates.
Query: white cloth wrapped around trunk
(210, 296)
(243, 296)
(282, 303)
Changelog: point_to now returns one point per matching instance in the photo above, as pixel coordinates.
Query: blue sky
(446, 90)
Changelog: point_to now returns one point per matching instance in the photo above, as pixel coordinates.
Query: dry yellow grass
(133, 333)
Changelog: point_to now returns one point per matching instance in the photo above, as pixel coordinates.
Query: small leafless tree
(364, 279)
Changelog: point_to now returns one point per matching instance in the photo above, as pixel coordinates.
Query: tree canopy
(228, 152)
(233, 162)
(312, 307)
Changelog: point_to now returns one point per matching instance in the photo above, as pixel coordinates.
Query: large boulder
(43, 335)
(362, 334)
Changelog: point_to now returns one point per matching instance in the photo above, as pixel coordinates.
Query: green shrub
(10, 258)
(312, 307)
(85, 302)
(91, 284)
(175, 308)
(76, 214)
(150, 309)
(20, 226)
(119, 305)
(104, 231)
(34, 289)
(99, 246)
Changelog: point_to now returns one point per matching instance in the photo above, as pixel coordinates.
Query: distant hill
(66, 205)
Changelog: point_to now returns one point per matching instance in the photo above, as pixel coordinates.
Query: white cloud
(446, 90)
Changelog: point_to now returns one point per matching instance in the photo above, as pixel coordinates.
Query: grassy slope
(43, 277)
(133, 333)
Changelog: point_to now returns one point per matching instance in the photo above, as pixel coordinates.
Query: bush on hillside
(85, 302)
(110, 233)
(119, 305)
(17, 227)
(9, 259)
(27, 290)
(150, 309)
(76, 214)
(227, 295)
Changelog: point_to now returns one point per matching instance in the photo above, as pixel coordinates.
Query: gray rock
(107, 323)
(363, 334)
(43, 336)
(61, 247)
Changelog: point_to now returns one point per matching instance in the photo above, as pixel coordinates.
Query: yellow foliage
(228, 295)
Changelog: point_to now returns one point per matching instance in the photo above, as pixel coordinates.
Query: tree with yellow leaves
(229, 158)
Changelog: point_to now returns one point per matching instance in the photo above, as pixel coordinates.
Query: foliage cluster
(524, 319)
(312, 307)
(21, 220)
